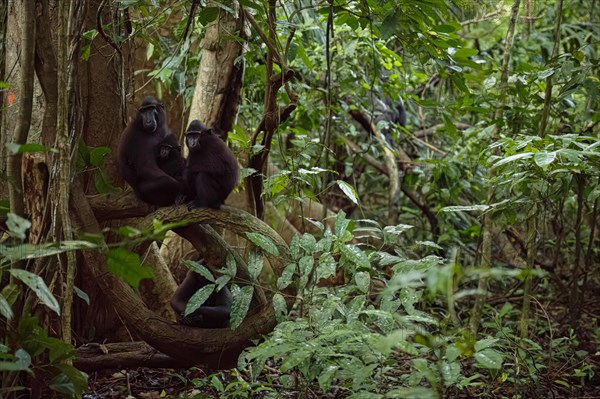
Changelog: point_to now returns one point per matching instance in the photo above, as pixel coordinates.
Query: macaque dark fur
(137, 155)
(214, 313)
(390, 112)
(211, 171)
(169, 158)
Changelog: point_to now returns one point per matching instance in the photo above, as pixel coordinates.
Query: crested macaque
(214, 313)
(137, 155)
(169, 158)
(390, 113)
(211, 170)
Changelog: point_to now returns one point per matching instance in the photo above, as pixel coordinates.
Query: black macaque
(211, 171)
(386, 110)
(169, 158)
(214, 313)
(137, 155)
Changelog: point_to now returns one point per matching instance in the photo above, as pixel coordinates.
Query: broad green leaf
(128, 266)
(82, 295)
(207, 15)
(28, 147)
(17, 226)
(103, 184)
(21, 363)
(484, 344)
(70, 381)
(280, 306)
(304, 57)
(97, 155)
(348, 190)
(308, 243)
(231, 265)
(543, 159)
(546, 73)
(10, 292)
(466, 208)
(37, 285)
(255, 264)
(263, 242)
(446, 28)
(278, 183)
(489, 359)
(199, 268)
(391, 23)
(355, 255)
(326, 377)
(149, 50)
(240, 305)
(287, 276)
(464, 53)
(512, 158)
(326, 267)
(5, 309)
(363, 281)
(199, 298)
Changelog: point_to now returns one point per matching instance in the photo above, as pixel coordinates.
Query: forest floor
(146, 383)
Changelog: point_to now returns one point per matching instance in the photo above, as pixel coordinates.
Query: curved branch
(213, 348)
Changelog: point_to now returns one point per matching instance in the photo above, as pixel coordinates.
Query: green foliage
(128, 266)
(353, 336)
(43, 355)
(91, 159)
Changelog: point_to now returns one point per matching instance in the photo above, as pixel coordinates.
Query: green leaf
(207, 15)
(27, 147)
(11, 292)
(70, 381)
(199, 298)
(287, 276)
(278, 183)
(308, 243)
(348, 190)
(5, 309)
(17, 226)
(363, 281)
(82, 295)
(31, 251)
(355, 255)
(465, 208)
(464, 53)
(240, 305)
(263, 242)
(102, 184)
(543, 159)
(255, 264)
(446, 28)
(390, 24)
(251, 4)
(231, 265)
(326, 267)
(546, 73)
(21, 363)
(199, 268)
(128, 266)
(512, 158)
(280, 307)
(304, 57)
(97, 155)
(149, 50)
(489, 359)
(37, 285)
(484, 344)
